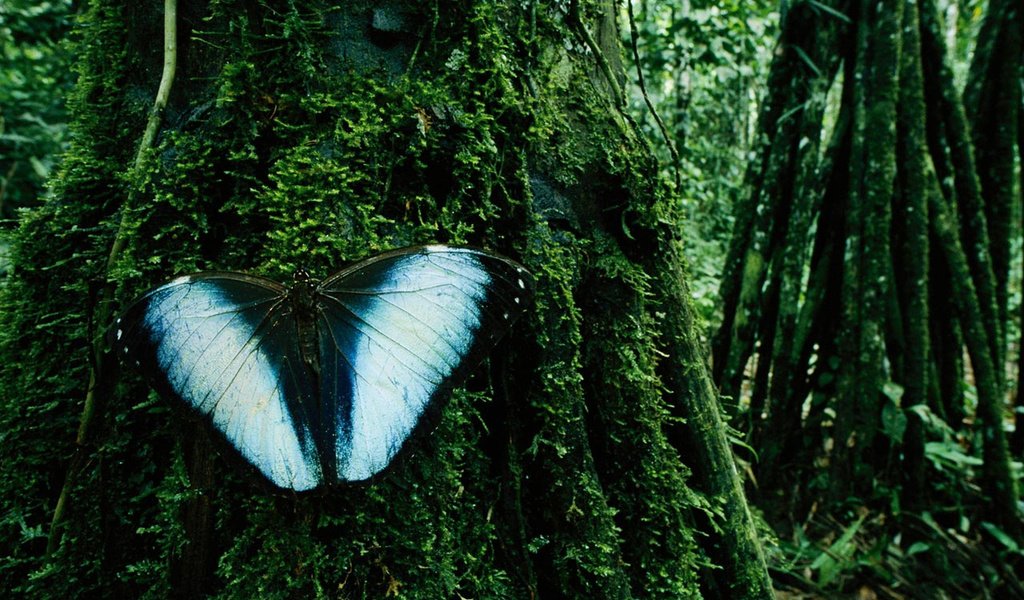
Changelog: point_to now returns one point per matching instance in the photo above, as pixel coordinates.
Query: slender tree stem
(634, 36)
(1000, 485)
(576, 20)
(98, 377)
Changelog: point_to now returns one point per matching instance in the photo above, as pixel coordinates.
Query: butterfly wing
(397, 332)
(225, 345)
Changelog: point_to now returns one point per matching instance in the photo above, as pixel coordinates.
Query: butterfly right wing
(397, 333)
(224, 345)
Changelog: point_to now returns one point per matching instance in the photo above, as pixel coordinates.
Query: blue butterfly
(320, 383)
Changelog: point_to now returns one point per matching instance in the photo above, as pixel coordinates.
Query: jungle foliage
(820, 199)
(703, 67)
(870, 257)
(34, 79)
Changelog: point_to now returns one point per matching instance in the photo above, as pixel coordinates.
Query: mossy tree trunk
(856, 299)
(312, 134)
(993, 108)
(867, 267)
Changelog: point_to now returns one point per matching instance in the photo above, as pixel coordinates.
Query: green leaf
(893, 391)
(807, 60)
(931, 420)
(828, 9)
(41, 169)
(949, 453)
(1004, 539)
(894, 421)
(831, 562)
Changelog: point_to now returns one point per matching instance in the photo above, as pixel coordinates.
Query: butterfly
(318, 383)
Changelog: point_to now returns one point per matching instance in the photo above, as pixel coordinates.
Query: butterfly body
(302, 297)
(319, 383)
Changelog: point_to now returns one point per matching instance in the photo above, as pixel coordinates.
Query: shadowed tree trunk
(867, 279)
(862, 271)
(312, 134)
(993, 107)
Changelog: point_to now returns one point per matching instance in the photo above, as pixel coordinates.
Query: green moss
(639, 469)
(573, 534)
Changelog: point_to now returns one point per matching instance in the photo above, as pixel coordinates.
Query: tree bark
(911, 221)
(787, 119)
(966, 187)
(992, 107)
(1003, 496)
(865, 276)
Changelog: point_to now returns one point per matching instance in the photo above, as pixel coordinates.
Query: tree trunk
(992, 103)
(866, 283)
(912, 258)
(788, 127)
(865, 343)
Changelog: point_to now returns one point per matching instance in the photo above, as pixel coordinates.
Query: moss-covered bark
(866, 279)
(962, 174)
(686, 374)
(788, 133)
(311, 135)
(992, 106)
(999, 479)
(910, 220)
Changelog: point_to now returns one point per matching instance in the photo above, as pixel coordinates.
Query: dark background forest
(776, 348)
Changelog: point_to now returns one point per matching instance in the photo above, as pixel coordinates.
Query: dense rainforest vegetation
(776, 343)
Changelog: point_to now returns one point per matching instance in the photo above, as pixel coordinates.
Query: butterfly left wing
(397, 332)
(224, 345)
